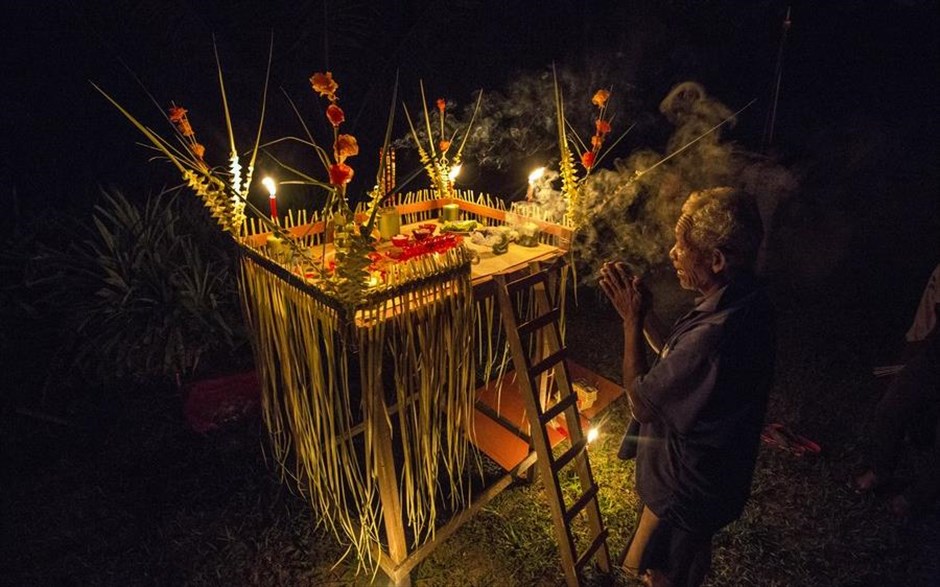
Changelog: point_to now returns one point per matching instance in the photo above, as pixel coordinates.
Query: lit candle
(593, 434)
(454, 172)
(450, 213)
(533, 177)
(272, 198)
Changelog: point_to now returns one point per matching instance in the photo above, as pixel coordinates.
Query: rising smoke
(630, 203)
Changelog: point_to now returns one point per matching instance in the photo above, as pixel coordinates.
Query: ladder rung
(562, 405)
(527, 281)
(566, 457)
(540, 321)
(599, 540)
(547, 363)
(579, 505)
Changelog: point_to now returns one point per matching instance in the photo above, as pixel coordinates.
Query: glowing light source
(592, 434)
(536, 174)
(271, 186)
(454, 172)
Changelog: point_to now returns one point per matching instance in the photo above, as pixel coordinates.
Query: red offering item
(421, 233)
(400, 240)
(429, 227)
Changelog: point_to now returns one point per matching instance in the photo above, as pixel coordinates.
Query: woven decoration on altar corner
(312, 355)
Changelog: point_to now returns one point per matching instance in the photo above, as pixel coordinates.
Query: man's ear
(719, 261)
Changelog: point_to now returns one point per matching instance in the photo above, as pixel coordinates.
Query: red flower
(177, 114)
(600, 98)
(345, 146)
(335, 114)
(324, 84)
(198, 150)
(587, 159)
(441, 104)
(596, 142)
(603, 127)
(340, 174)
(444, 145)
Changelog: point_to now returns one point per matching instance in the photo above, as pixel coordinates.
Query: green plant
(147, 291)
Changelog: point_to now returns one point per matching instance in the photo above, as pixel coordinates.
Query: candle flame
(271, 185)
(536, 175)
(454, 172)
(592, 434)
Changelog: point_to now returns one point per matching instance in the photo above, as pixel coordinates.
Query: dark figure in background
(912, 400)
(701, 404)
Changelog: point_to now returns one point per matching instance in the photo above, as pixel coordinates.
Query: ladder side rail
(538, 434)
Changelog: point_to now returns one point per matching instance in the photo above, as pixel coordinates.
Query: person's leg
(663, 554)
(906, 395)
(925, 489)
(636, 551)
(690, 558)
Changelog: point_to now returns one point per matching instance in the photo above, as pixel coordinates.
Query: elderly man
(701, 404)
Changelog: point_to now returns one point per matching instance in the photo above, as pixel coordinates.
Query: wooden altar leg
(388, 486)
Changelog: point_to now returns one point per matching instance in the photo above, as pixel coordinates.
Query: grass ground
(125, 494)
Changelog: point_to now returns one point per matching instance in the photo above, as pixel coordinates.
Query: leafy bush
(145, 291)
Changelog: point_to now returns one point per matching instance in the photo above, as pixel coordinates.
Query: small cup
(400, 240)
(420, 233)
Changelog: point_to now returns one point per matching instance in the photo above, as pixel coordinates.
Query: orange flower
(198, 150)
(444, 145)
(335, 114)
(177, 114)
(603, 127)
(587, 159)
(324, 85)
(185, 129)
(441, 104)
(340, 174)
(600, 98)
(596, 142)
(345, 146)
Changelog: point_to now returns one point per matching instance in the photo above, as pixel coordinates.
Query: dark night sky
(858, 104)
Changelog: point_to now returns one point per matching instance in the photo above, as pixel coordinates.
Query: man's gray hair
(726, 219)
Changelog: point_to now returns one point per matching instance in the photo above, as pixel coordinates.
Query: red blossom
(444, 145)
(596, 142)
(177, 114)
(324, 84)
(340, 174)
(587, 159)
(335, 115)
(345, 146)
(198, 150)
(441, 105)
(600, 98)
(603, 127)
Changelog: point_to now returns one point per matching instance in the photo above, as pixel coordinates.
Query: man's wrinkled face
(693, 268)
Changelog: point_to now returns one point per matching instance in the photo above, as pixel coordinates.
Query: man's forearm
(634, 365)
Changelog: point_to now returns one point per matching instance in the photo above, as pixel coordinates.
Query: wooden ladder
(538, 373)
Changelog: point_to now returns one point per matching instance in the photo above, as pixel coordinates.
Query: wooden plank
(501, 445)
(510, 405)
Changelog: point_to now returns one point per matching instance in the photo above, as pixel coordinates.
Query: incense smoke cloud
(630, 205)
(631, 212)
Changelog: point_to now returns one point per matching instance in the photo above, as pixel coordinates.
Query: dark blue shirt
(708, 393)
